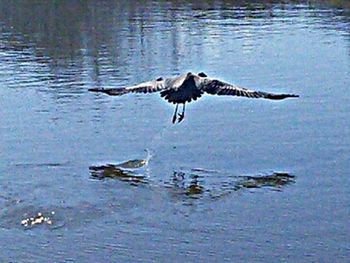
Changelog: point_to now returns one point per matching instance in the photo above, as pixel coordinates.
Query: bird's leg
(175, 113)
(182, 115)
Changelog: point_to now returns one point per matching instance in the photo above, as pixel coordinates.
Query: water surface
(238, 180)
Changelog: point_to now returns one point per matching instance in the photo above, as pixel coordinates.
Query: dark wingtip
(281, 96)
(95, 90)
(292, 96)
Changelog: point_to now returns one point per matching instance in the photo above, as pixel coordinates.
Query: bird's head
(159, 79)
(202, 75)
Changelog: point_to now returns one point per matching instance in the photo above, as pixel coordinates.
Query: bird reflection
(123, 171)
(275, 181)
(193, 183)
(206, 183)
(179, 184)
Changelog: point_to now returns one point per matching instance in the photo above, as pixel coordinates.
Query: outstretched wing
(145, 87)
(217, 87)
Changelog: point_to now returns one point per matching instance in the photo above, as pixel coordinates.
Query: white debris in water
(38, 219)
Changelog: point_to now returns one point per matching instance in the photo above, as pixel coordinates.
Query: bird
(184, 88)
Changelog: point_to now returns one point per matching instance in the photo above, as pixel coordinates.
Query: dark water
(239, 180)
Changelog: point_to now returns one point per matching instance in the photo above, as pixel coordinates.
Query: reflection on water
(195, 183)
(117, 172)
(273, 181)
(336, 3)
(69, 46)
(124, 171)
(215, 184)
(190, 187)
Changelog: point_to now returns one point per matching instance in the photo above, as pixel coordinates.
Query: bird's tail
(112, 92)
(278, 96)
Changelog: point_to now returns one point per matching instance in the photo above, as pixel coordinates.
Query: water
(238, 180)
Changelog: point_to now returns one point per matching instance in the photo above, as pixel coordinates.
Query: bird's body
(188, 87)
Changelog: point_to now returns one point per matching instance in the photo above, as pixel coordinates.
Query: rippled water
(237, 180)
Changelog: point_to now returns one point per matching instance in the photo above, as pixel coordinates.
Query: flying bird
(188, 87)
